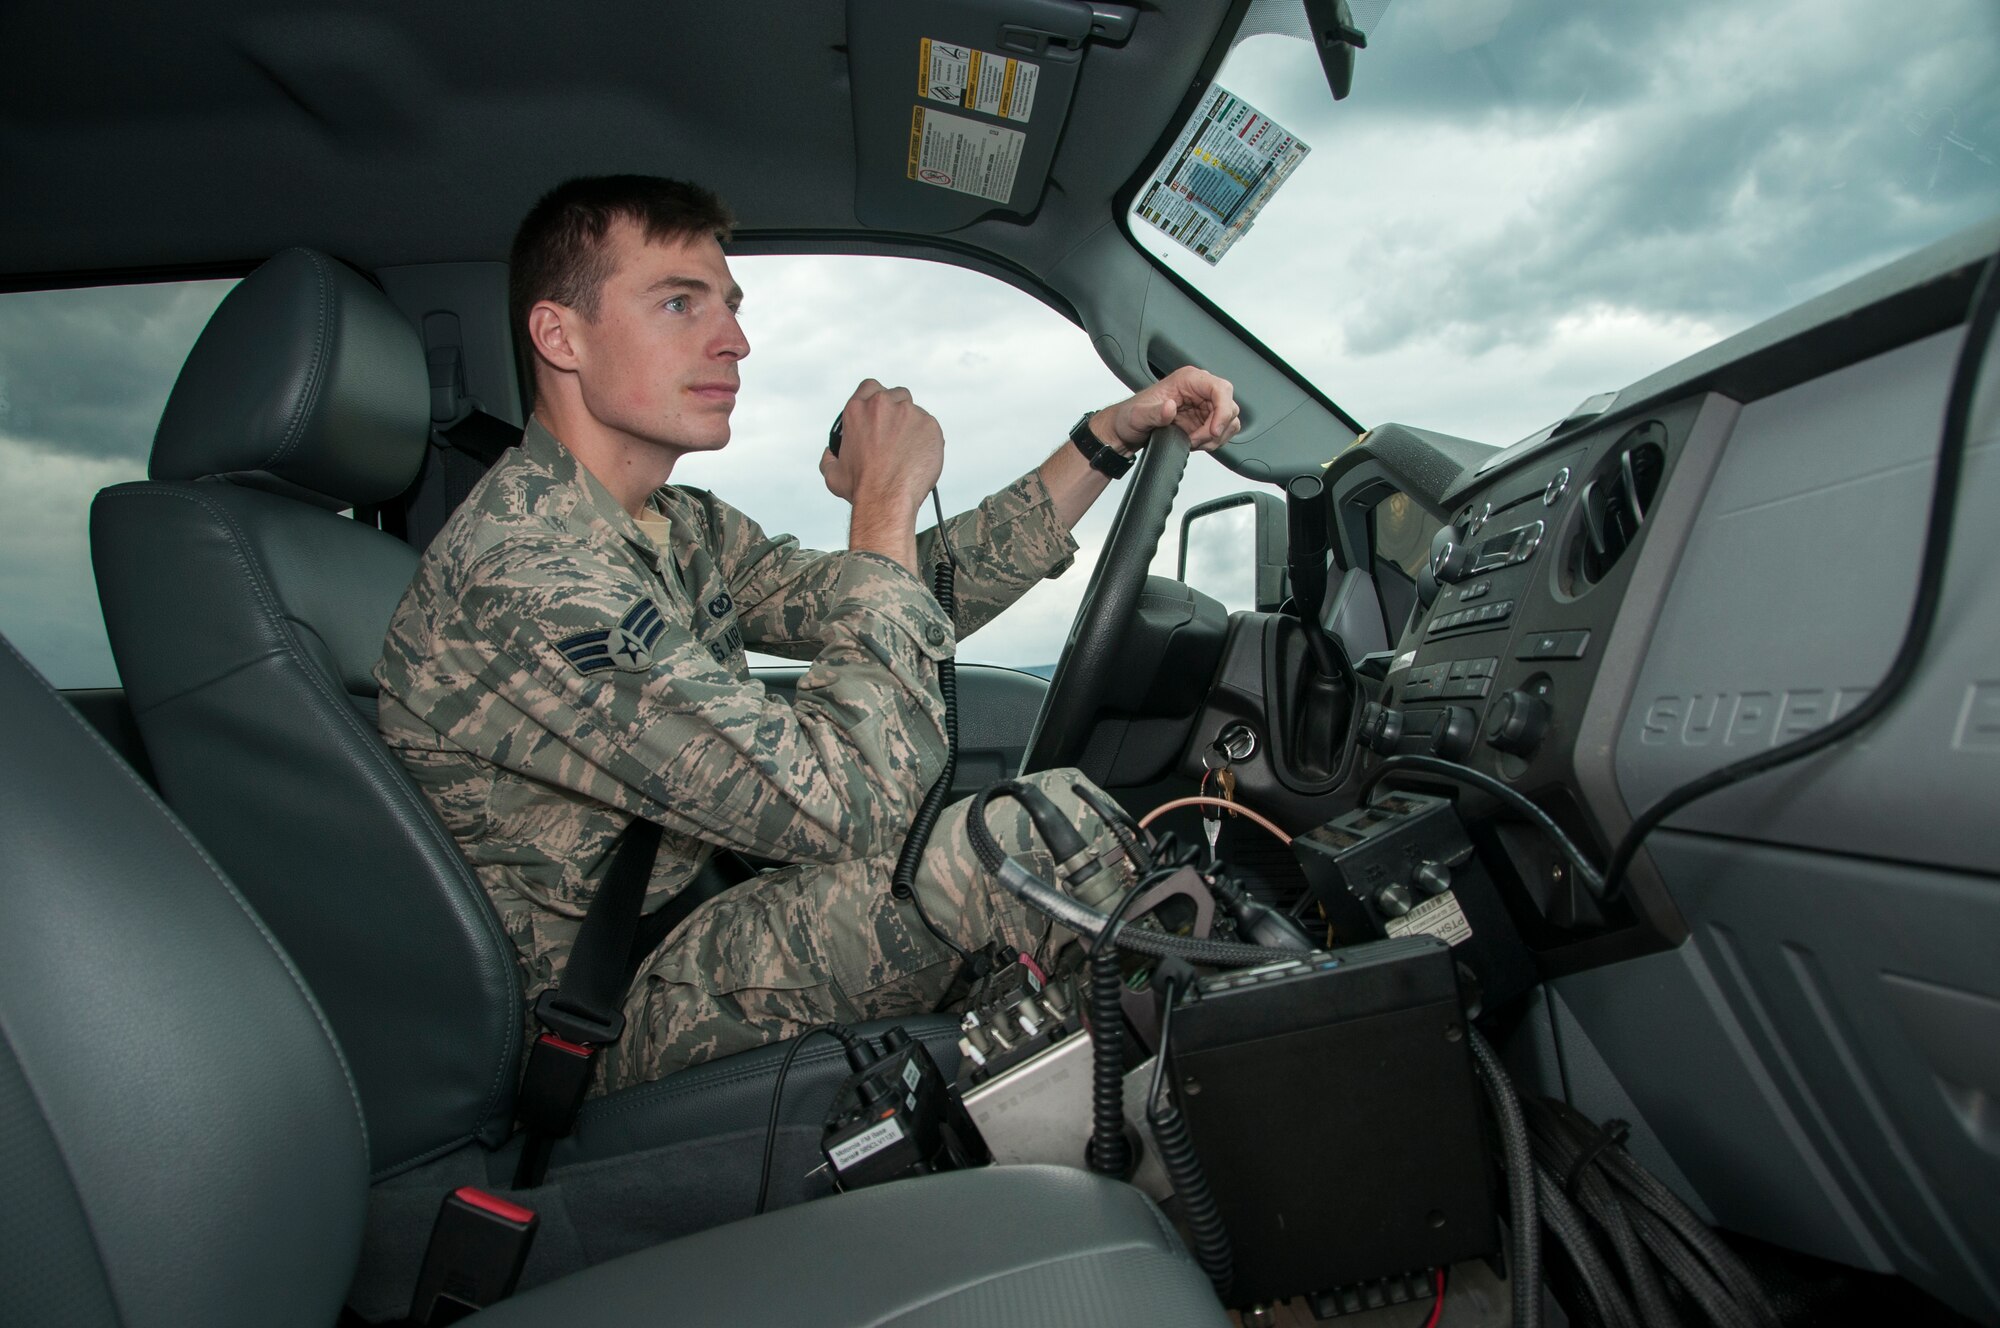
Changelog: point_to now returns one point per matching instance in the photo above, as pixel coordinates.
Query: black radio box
(1332, 1101)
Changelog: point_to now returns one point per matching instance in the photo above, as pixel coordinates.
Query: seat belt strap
(458, 457)
(722, 871)
(484, 438)
(583, 1013)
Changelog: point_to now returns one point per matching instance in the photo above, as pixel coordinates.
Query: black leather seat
(246, 614)
(181, 1143)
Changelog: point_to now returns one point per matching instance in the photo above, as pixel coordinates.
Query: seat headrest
(306, 382)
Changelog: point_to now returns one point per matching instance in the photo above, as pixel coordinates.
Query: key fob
(833, 434)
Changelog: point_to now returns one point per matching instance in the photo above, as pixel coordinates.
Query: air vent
(1616, 503)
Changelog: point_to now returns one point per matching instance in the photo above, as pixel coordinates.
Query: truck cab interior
(1664, 722)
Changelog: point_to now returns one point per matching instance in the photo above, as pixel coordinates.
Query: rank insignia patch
(628, 646)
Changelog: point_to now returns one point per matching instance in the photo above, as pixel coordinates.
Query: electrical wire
(1224, 803)
(857, 1057)
(1124, 829)
(1572, 1232)
(1485, 783)
(1183, 1165)
(1080, 917)
(1524, 1271)
(1437, 1306)
(1979, 321)
(1108, 1152)
(1650, 1231)
(903, 881)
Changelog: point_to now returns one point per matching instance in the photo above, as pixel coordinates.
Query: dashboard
(1514, 614)
(1720, 559)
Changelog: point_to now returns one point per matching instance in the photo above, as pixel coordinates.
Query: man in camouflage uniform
(570, 655)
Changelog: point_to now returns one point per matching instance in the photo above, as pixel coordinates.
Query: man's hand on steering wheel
(1202, 405)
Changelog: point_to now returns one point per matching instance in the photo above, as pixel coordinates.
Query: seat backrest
(180, 1143)
(246, 615)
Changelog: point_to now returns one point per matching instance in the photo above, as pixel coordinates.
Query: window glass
(1222, 556)
(84, 375)
(1005, 375)
(1526, 202)
(1401, 533)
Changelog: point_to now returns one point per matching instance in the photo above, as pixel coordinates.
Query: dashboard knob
(1451, 556)
(1517, 722)
(1395, 899)
(1433, 878)
(1381, 728)
(1453, 737)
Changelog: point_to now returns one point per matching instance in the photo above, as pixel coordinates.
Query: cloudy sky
(1524, 202)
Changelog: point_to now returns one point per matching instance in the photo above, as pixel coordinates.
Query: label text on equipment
(865, 1144)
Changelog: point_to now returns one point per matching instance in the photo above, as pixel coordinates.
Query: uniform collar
(605, 512)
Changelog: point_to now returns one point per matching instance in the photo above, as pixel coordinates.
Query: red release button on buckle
(494, 1204)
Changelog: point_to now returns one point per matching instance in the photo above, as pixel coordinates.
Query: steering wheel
(1111, 600)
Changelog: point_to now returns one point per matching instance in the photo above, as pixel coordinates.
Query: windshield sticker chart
(963, 155)
(995, 85)
(1223, 169)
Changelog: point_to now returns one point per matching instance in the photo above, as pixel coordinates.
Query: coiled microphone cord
(944, 585)
(903, 881)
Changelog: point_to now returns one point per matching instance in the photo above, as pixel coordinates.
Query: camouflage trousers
(771, 957)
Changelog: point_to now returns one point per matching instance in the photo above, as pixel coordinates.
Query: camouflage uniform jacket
(553, 671)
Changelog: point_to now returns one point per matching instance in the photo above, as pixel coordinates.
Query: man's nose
(732, 344)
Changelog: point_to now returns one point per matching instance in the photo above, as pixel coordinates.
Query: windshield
(1526, 202)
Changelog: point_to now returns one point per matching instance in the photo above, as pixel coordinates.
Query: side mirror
(1236, 552)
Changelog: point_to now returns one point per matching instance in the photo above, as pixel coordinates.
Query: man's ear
(549, 326)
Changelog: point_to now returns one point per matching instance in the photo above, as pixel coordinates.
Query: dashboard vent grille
(1618, 500)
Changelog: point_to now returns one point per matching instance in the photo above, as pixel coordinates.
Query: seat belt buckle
(554, 1086)
(478, 1248)
(560, 1064)
(572, 1025)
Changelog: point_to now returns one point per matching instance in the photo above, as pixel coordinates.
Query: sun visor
(958, 104)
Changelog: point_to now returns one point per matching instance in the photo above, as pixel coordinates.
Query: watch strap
(1105, 460)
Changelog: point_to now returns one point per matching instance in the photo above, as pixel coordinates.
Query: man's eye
(676, 305)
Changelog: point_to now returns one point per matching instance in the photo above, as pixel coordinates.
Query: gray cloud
(86, 372)
(1512, 175)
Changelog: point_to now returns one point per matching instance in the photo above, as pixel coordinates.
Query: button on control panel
(1553, 645)
(1484, 614)
(1459, 679)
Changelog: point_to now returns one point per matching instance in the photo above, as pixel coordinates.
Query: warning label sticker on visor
(963, 155)
(997, 85)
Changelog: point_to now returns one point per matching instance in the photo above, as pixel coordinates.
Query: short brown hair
(559, 251)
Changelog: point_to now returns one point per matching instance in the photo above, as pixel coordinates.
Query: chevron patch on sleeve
(627, 646)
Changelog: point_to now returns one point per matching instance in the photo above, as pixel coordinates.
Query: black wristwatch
(1105, 460)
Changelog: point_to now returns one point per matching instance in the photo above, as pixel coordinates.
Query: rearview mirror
(1336, 39)
(1234, 550)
